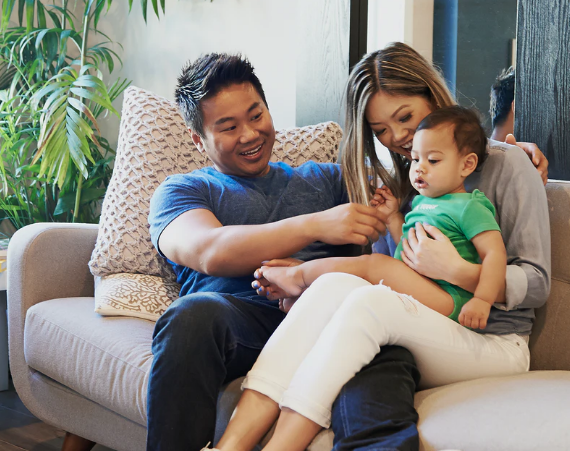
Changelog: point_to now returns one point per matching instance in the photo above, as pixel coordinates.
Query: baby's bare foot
(288, 278)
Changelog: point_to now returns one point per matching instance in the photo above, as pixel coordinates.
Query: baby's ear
(469, 164)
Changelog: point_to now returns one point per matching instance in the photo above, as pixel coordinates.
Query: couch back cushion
(153, 144)
(551, 331)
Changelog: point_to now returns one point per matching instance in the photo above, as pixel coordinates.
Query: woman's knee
(379, 301)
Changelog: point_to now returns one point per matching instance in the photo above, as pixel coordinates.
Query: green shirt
(460, 217)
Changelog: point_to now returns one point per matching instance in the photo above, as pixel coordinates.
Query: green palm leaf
(67, 123)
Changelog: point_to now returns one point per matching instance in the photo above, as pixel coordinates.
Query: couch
(87, 373)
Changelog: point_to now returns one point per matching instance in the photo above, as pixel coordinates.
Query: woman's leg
(445, 351)
(282, 355)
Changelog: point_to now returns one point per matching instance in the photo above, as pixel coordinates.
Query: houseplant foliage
(54, 163)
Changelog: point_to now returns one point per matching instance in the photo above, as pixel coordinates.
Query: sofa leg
(73, 442)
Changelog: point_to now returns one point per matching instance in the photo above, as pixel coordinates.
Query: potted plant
(54, 162)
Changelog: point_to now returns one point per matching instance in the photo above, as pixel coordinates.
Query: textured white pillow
(153, 144)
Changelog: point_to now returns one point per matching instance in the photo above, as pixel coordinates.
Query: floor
(20, 430)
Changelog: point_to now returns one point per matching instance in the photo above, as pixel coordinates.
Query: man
(216, 226)
(502, 107)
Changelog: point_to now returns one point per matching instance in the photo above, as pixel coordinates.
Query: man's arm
(197, 239)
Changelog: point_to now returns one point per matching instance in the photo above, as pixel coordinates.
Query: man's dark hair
(468, 133)
(502, 96)
(205, 77)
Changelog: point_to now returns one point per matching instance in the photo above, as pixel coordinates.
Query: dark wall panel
(542, 91)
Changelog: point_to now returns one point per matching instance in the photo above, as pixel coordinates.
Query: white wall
(153, 54)
(409, 21)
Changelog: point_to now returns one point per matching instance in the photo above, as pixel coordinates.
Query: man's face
(238, 131)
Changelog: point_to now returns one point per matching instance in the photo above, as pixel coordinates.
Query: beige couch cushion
(528, 412)
(153, 144)
(106, 360)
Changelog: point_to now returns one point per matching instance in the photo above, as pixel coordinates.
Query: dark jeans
(201, 342)
(375, 409)
(207, 339)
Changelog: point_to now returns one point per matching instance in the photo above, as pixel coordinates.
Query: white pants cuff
(308, 408)
(255, 381)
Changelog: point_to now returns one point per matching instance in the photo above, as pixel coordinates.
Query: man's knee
(194, 315)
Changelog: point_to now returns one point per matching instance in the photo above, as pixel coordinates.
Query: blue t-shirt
(282, 193)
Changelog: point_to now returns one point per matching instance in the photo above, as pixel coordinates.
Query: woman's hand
(535, 155)
(431, 256)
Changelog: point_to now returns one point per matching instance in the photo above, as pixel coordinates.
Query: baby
(448, 146)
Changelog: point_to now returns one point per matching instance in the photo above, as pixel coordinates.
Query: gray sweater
(514, 186)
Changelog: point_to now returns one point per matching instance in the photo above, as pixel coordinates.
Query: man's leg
(375, 410)
(202, 341)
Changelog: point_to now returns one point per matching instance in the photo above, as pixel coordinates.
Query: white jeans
(338, 326)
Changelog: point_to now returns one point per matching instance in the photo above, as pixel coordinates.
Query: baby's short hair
(468, 133)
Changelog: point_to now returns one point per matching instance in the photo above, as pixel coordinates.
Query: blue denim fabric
(201, 342)
(375, 410)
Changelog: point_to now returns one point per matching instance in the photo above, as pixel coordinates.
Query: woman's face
(394, 119)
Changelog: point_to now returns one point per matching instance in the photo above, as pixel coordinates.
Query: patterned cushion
(154, 143)
(136, 295)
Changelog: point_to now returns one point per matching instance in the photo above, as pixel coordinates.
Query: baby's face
(437, 167)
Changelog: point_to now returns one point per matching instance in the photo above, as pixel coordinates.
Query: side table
(4, 368)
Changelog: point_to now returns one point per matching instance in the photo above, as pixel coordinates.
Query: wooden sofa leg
(73, 442)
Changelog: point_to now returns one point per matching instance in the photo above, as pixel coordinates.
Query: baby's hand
(475, 313)
(386, 203)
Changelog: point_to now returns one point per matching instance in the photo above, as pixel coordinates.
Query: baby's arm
(493, 256)
(388, 206)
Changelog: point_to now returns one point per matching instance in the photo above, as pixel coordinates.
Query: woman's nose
(399, 134)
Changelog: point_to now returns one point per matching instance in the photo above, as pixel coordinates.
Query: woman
(389, 92)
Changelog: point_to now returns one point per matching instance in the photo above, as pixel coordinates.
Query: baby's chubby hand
(386, 203)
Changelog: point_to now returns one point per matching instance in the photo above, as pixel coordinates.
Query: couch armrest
(45, 261)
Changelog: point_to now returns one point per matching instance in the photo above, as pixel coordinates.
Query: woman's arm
(430, 253)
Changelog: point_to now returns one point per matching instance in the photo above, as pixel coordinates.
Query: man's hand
(534, 153)
(347, 224)
(475, 313)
